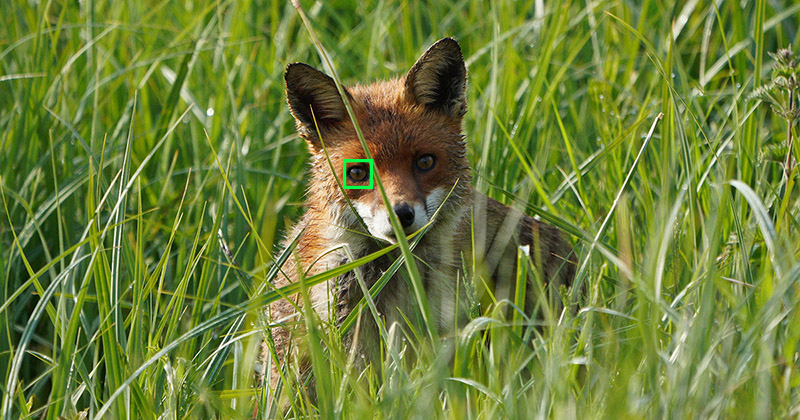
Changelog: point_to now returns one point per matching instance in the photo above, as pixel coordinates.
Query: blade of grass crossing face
(411, 266)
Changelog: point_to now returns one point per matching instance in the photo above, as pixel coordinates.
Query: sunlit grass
(133, 132)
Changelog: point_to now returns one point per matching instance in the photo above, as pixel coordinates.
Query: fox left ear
(314, 102)
(438, 79)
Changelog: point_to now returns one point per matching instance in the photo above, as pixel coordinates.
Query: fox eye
(357, 174)
(426, 162)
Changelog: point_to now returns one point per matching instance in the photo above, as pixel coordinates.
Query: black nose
(405, 213)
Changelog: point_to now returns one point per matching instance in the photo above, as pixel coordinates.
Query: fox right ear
(438, 80)
(314, 101)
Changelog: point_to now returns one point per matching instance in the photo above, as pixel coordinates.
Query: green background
(132, 132)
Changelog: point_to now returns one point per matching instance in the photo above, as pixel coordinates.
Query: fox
(412, 126)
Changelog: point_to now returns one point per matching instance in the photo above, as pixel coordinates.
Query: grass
(132, 132)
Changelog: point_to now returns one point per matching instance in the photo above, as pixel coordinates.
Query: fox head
(412, 127)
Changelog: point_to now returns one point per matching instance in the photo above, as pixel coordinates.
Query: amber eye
(426, 162)
(357, 174)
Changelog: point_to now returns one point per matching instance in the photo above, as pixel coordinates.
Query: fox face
(416, 178)
(412, 128)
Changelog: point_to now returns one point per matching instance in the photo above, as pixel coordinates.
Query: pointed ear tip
(449, 43)
(448, 40)
(293, 69)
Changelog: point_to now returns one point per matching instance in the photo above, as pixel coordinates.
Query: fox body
(412, 127)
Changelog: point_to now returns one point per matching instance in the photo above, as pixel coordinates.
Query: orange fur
(402, 120)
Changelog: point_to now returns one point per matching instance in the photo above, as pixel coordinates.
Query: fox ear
(438, 79)
(313, 100)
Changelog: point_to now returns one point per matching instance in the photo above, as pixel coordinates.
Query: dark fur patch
(312, 95)
(438, 79)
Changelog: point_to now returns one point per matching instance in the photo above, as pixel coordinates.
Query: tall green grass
(131, 133)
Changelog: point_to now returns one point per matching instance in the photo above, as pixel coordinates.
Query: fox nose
(405, 213)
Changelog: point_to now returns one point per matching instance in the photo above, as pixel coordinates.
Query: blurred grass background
(131, 132)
